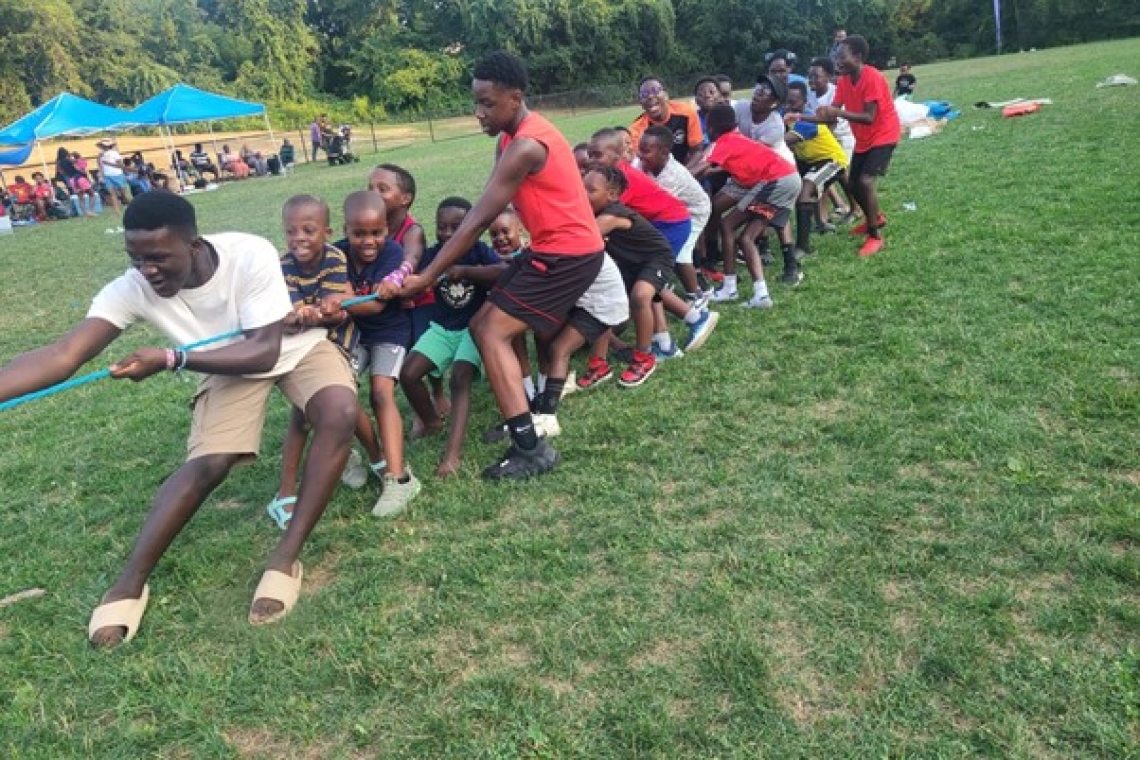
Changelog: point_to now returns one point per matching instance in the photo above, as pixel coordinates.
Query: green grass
(897, 516)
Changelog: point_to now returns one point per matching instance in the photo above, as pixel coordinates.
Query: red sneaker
(712, 275)
(639, 370)
(597, 372)
(861, 228)
(871, 246)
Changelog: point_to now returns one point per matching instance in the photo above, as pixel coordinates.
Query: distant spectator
(288, 155)
(836, 43)
(315, 136)
(111, 170)
(23, 202)
(68, 170)
(254, 160)
(232, 163)
(905, 82)
(201, 162)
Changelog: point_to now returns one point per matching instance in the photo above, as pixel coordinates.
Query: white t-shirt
(841, 129)
(107, 161)
(770, 131)
(679, 182)
(246, 292)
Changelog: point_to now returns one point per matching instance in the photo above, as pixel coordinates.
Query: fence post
(372, 126)
(431, 129)
(304, 146)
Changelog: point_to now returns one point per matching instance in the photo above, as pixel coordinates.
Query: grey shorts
(770, 200)
(381, 360)
(606, 298)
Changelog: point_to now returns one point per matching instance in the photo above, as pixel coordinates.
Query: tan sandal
(125, 613)
(278, 587)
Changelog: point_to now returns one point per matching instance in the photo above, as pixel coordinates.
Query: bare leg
(331, 412)
(752, 231)
(366, 434)
(462, 377)
(389, 422)
(494, 330)
(175, 503)
(291, 453)
(412, 376)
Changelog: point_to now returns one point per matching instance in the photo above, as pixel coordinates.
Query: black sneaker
(793, 275)
(767, 258)
(519, 464)
(497, 432)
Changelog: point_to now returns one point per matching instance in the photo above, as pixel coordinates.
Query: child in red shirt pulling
(761, 191)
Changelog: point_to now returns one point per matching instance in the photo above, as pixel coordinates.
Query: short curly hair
(503, 69)
(158, 209)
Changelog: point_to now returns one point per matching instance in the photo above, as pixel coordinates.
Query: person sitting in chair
(201, 162)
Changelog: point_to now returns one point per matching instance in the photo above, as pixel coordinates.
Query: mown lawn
(897, 516)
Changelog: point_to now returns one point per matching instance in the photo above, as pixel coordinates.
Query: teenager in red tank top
(534, 167)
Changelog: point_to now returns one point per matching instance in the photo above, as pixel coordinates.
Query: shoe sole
(596, 383)
(701, 339)
(640, 381)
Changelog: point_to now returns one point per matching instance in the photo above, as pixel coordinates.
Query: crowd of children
(676, 196)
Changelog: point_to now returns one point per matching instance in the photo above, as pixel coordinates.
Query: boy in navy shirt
(447, 343)
(383, 329)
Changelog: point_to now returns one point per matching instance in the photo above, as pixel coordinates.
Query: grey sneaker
(759, 302)
(396, 495)
(355, 474)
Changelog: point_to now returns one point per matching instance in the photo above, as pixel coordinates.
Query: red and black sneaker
(861, 228)
(597, 372)
(712, 275)
(639, 370)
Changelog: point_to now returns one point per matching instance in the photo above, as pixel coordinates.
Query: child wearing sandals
(314, 270)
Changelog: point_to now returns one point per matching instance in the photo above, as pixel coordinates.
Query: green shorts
(445, 347)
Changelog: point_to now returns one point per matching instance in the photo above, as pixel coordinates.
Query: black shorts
(873, 163)
(586, 323)
(540, 289)
(655, 272)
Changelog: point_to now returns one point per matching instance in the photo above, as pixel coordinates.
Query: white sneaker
(571, 384)
(546, 425)
(354, 475)
(720, 295)
(396, 495)
(759, 302)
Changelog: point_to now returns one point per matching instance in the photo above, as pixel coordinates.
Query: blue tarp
(183, 103)
(65, 114)
(17, 156)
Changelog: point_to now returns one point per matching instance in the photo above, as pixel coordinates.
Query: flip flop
(278, 587)
(125, 613)
(276, 510)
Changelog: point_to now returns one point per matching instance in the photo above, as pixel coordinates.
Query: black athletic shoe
(767, 258)
(792, 275)
(519, 464)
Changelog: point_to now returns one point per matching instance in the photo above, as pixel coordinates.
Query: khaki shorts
(229, 411)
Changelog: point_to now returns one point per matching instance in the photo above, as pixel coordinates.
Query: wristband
(183, 359)
(398, 276)
(171, 359)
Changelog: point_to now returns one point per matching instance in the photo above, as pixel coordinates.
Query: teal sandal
(276, 510)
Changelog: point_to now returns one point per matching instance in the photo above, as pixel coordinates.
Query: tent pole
(214, 140)
(272, 137)
(43, 161)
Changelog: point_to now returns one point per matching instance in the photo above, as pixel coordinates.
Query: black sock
(873, 231)
(805, 212)
(789, 257)
(762, 245)
(407, 477)
(522, 431)
(548, 400)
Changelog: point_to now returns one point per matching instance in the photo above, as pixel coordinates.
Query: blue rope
(75, 382)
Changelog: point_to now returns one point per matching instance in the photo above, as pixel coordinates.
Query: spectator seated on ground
(136, 178)
(22, 201)
(231, 162)
(201, 162)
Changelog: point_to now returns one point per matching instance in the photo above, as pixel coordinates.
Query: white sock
(541, 382)
(662, 339)
(528, 386)
(729, 283)
(759, 289)
(692, 317)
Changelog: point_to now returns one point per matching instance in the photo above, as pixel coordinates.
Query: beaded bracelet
(171, 359)
(399, 275)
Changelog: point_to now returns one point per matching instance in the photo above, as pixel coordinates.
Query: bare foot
(442, 405)
(421, 429)
(264, 609)
(447, 468)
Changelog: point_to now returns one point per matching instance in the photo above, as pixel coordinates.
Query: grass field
(897, 516)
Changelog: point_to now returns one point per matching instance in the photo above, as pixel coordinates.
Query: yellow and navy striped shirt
(330, 277)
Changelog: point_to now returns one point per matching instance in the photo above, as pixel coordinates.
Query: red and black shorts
(540, 289)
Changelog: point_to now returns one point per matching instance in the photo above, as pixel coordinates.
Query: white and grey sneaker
(396, 495)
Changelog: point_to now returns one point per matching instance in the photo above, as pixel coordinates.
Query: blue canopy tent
(182, 104)
(65, 114)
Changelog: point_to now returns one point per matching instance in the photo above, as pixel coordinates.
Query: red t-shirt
(649, 199)
(552, 202)
(747, 161)
(22, 193)
(853, 97)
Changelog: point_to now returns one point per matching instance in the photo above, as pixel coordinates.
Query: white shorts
(685, 255)
(606, 299)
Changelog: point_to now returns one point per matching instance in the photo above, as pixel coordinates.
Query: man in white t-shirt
(192, 288)
(111, 170)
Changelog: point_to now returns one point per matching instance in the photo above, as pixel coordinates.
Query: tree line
(373, 58)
